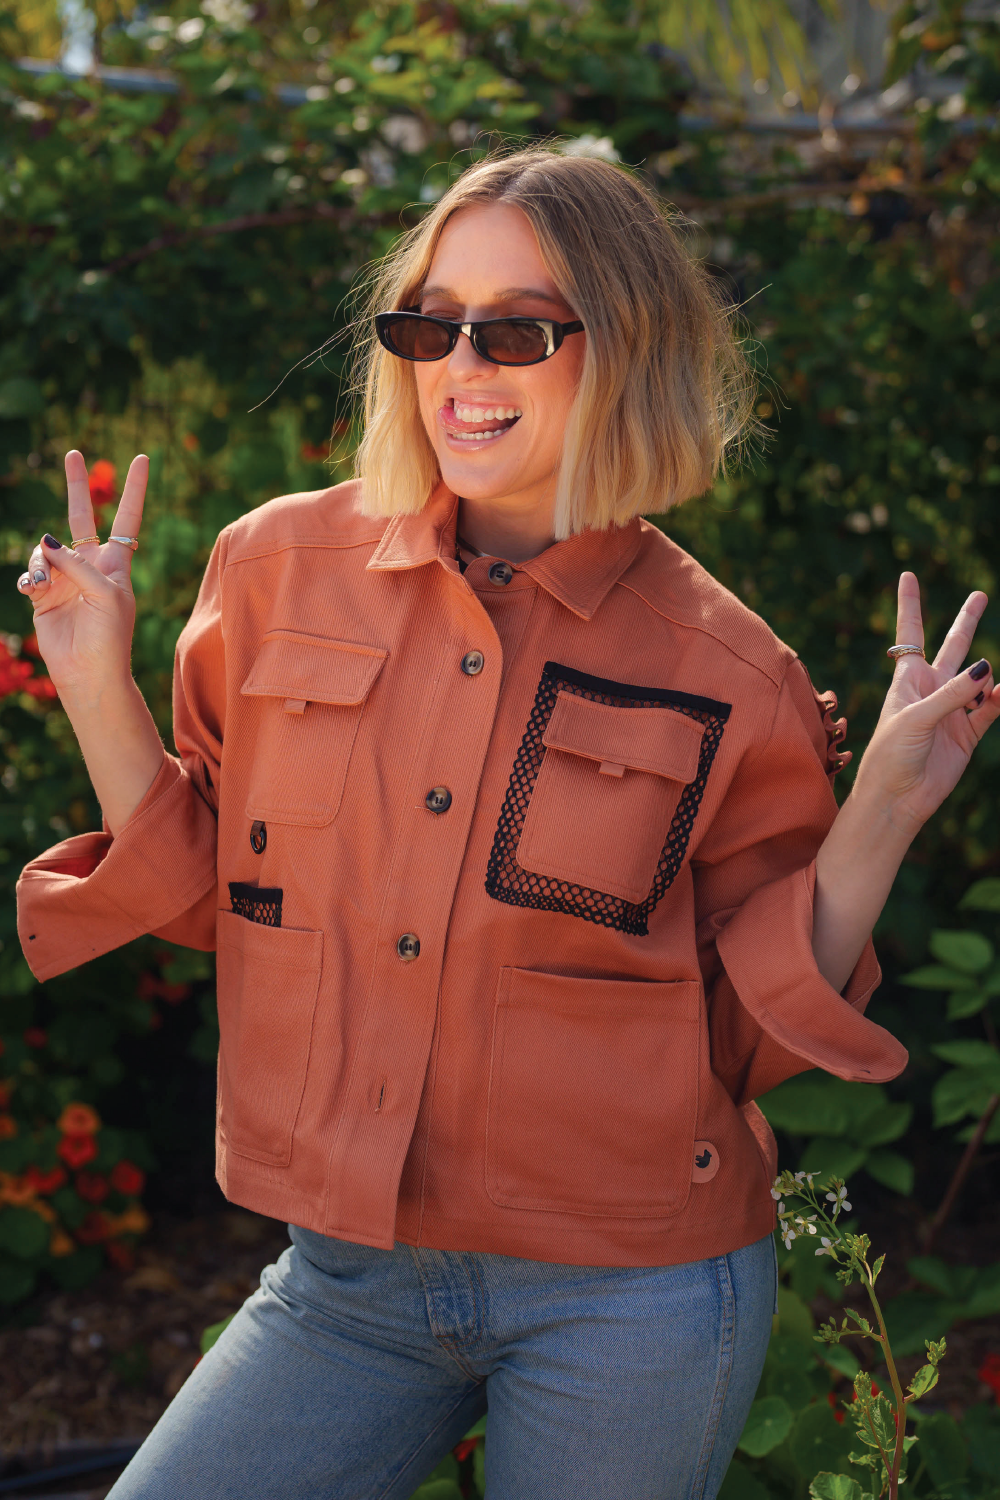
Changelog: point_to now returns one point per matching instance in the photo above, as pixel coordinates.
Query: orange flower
(19, 1190)
(43, 1210)
(60, 1243)
(78, 1119)
(8, 1127)
(102, 482)
(135, 1220)
(77, 1150)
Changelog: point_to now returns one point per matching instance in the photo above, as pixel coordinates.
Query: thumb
(75, 569)
(964, 691)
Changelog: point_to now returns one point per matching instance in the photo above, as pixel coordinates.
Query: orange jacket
(510, 878)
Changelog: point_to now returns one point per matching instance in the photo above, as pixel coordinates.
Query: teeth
(472, 414)
(490, 415)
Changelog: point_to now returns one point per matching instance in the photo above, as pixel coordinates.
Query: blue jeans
(351, 1373)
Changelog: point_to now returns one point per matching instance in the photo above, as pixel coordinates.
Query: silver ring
(897, 651)
(128, 541)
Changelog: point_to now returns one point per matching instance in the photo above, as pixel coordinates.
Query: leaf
(23, 1234)
(959, 1092)
(21, 397)
(969, 1052)
(17, 1281)
(835, 1487)
(887, 1124)
(892, 1170)
(968, 952)
(936, 977)
(794, 1317)
(942, 1449)
(740, 1484)
(935, 1273)
(924, 1380)
(833, 1157)
(839, 1357)
(966, 1003)
(981, 1429)
(818, 1441)
(982, 1300)
(984, 895)
(913, 1317)
(768, 1424)
(212, 1333)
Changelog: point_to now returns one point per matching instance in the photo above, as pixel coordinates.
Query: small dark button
(438, 799)
(408, 947)
(473, 662)
(501, 573)
(258, 837)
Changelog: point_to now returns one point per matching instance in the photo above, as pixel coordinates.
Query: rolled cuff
(95, 892)
(766, 950)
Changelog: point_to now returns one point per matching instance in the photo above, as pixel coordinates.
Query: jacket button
(408, 947)
(501, 573)
(438, 799)
(258, 837)
(473, 662)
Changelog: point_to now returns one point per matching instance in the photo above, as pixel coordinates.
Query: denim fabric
(352, 1371)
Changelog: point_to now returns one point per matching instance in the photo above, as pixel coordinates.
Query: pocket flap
(300, 667)
(660, 740)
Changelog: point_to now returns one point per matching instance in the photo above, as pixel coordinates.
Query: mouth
(479, 424)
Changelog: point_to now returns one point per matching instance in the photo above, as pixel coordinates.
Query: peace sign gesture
(934, 715)
(82, 595)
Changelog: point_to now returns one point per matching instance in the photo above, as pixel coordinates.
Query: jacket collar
(579, 572)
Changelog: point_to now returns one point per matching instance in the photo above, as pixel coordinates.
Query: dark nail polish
(50, 541)
(38, 576)
(980, 670)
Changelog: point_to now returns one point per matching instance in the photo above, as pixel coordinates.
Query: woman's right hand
(84, 608)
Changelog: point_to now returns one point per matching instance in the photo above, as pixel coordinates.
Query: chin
(475, 481)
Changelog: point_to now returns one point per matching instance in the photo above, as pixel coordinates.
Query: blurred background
(189, 195)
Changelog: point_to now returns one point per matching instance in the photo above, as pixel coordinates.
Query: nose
(465, 360)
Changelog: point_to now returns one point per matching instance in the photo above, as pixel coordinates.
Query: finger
(985, 713)
(128, 516)
(909, 621)
(81, 510)
(958, 692)
(25, 584)
(37, 572)
(74, 567)
(955, 646)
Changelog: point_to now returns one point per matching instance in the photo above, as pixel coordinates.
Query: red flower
(45, 1182)
(77, 1150)
(102, 482)
(315, 453)
(120, 1255)
(36, 1037)
(127, 1178)
(838, 1415)
(8, 1127)
(29, 646)
(92, 1187)
(989, 1373)
(95, 1228)
(14, 673)
(41, 687)
(465, 1447)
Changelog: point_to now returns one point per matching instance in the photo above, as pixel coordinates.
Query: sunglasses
(501, 341)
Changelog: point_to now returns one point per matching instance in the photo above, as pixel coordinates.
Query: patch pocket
(603, 798)
(268, 983)
(312, 693)
(593, 1094)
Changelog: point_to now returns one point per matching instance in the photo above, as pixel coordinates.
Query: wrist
(107, 698)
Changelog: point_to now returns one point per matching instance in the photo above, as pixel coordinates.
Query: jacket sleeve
(94, 892)
(771, 1012)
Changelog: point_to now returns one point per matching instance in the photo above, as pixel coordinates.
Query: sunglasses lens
(514, 343)
(415, 338)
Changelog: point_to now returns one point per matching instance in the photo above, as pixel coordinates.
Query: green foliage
(846, 1126)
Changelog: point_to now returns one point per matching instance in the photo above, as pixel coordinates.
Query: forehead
(484, 248)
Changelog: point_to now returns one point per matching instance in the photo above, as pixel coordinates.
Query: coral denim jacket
(510, 878)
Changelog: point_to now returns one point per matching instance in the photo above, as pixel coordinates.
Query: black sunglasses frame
(554, 335)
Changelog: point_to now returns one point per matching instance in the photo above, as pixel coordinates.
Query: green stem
(897, 1389)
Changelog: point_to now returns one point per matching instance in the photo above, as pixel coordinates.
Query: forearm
(855, 869)
(121, 747)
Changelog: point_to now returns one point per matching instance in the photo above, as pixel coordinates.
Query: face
(488, 265)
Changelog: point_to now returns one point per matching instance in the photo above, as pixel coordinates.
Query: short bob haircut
(665, 388)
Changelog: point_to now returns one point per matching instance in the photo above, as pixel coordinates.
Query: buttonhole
(295, 705)
(381, 1095)
(611, 768)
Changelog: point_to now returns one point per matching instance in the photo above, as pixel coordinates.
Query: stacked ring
(78, 541)
(129, 541)
(897, 651)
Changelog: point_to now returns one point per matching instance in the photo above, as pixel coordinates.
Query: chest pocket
(312, 694)
(603, 798)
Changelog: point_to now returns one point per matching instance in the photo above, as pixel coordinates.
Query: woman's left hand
(933, 718)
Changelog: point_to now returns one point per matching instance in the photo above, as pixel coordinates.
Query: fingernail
(50, 541)
(980, 670)
(38, 576)
(979, 698)
(24, 582)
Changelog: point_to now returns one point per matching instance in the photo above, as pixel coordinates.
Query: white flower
(776, 1189)
(788, 1235)
(839, 1199)
(826, 1246)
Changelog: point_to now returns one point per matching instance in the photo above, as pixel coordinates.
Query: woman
(514, 833)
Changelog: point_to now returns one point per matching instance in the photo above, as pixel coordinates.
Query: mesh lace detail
(507, 881)
(256, 902)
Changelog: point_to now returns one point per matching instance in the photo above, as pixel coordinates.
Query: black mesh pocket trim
(507, 881)
(258, 903)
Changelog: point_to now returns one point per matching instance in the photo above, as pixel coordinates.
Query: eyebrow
(509, 294)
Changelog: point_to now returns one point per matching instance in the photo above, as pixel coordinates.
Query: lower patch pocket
(268, 983)
(593, 1094)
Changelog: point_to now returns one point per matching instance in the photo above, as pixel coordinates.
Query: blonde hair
(665, 388)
